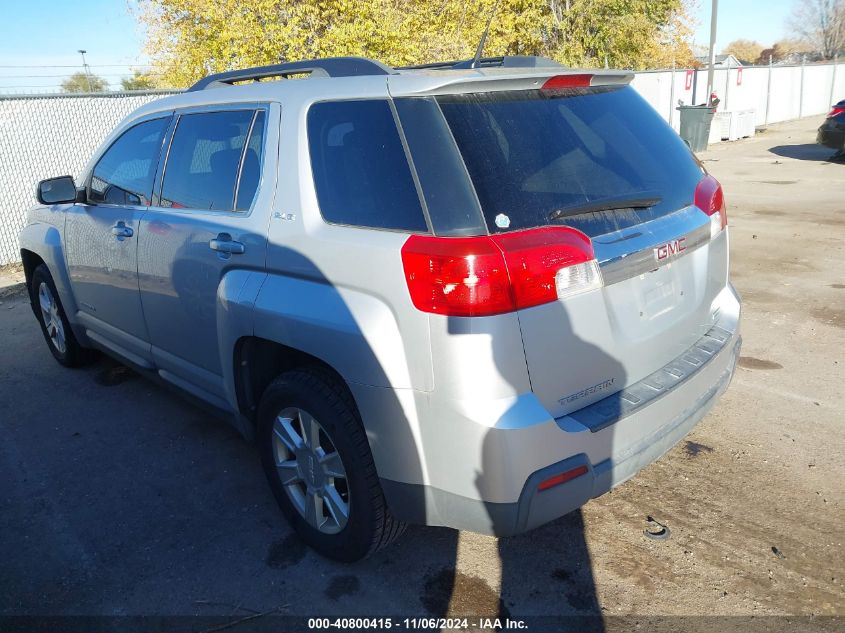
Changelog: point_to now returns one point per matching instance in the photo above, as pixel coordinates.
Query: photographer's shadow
(546, 571)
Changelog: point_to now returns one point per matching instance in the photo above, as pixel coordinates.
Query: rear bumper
(512, 457)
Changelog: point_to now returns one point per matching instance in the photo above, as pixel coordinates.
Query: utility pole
(85, 69)
(712, 53)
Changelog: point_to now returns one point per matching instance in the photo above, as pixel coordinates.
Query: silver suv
(471, 295)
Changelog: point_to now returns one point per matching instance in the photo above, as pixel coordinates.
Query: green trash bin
(695, 125)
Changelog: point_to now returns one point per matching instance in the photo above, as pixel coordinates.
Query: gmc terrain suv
(465, 294)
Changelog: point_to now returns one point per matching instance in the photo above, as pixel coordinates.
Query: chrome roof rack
(506, 61)
(329, 67)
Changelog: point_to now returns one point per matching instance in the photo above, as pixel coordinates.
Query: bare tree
(821, 23)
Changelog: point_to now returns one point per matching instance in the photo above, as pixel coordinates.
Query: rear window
(361, 173)
(539, 158)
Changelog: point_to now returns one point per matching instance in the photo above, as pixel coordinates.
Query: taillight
(487, 275)
(548, 263)
(710, 199)
(836, 110)
(568, 81)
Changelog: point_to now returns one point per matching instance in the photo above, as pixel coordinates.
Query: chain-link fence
(49, 136)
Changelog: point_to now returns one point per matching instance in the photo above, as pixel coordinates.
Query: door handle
(224, 243)
(121, 231)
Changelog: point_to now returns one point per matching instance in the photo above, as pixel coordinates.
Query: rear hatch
(598, 159)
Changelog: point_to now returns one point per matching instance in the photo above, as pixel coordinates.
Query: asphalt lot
(116, 497)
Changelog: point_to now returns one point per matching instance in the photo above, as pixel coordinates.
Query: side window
(125, 173)
(205, 159)
(360, 170)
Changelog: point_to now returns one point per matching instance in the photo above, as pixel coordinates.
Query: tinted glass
(125, 173)
(532, 155)
(251, 168)
(203, 161)
(360, 170)
(452, 205)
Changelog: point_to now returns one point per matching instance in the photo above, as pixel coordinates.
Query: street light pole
(85, 68)
(712, 53)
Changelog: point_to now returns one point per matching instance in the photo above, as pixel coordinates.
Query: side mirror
(61, 190)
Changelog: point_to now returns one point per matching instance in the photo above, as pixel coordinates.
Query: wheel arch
(41, 243)
(258, 361)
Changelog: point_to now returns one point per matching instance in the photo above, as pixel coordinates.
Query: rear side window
(205, 160)
(361, 173)
(539, 158)
(124, 175)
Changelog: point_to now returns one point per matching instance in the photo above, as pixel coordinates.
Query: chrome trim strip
(623, 403)
(631, 252)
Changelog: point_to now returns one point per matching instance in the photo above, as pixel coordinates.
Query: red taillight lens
(458, 276)
(535, 258)
(836, 110)
(568, 81)
(710, 198)
(487, 275)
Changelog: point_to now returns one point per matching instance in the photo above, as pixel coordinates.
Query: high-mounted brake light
(836, 110)
(568, 81)
(710, 198)
(487, 275)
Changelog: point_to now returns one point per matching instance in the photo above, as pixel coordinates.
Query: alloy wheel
(310, 470)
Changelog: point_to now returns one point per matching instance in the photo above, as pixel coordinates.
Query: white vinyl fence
(777, 93)
(44, 136)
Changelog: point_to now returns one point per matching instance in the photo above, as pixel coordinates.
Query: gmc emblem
(667, 250)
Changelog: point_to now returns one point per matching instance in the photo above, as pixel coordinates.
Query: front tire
(53, 321)
(320, 468)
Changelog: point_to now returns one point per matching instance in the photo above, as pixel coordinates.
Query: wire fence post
(672, 96)
(801, 96)
(833, 79)
(768, 91)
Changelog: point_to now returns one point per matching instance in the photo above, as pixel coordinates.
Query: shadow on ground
(808, 151)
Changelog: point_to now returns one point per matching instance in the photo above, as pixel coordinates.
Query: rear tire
(319, 466)
(53, 321)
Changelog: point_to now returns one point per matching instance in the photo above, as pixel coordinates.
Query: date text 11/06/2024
(438, 624)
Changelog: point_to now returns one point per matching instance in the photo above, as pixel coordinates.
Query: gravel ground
(118, 498)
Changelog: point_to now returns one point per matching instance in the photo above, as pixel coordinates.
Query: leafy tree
(83, 82)
(821, 23)
(191, 38)
(782, 51)
(746, 51)
(138, 81)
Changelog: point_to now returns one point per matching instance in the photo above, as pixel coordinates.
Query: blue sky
(49, 33)
(761, 20)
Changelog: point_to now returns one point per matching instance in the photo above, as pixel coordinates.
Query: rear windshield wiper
(607, 204)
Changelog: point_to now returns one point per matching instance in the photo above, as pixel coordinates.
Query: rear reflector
(562, 478)
(836, 111)
(710, 198)
(568, 81)
(487, 275)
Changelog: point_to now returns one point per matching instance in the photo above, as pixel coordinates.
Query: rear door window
(205, 160)
(361, 173)
(538, 158)
(125, 173)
